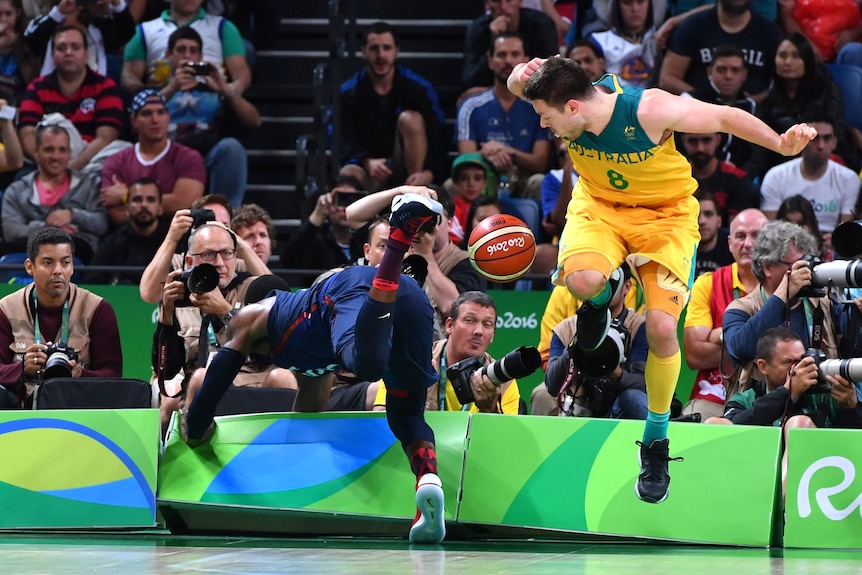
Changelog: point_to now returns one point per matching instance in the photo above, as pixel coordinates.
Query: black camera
(198, 279)
(199, 68)
(59, 355)
(517, 363)
(602, 361)
(201, 216)
(849, 369)
(815, 289)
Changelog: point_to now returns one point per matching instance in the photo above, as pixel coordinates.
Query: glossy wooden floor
(157, 554)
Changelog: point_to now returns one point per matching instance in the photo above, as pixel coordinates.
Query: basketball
(502, 248)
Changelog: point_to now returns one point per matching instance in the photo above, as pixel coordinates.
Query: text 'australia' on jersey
(622, 165)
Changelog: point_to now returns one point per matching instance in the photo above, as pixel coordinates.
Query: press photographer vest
(190, 321)
(19, 310)
(751, 304)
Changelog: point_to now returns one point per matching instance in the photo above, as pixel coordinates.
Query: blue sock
(656, 426)
(603, 296)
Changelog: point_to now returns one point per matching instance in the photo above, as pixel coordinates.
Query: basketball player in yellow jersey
(633, 201)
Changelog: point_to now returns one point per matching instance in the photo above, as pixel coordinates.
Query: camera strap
(64, 326)
(816, 325)
(441, 405)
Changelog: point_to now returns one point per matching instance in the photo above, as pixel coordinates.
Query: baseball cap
(147, 96)
(474, 159)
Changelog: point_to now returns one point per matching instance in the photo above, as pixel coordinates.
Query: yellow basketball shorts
(601, 230)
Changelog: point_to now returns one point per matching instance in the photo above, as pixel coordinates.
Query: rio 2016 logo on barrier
(822, 495)
(508, 320)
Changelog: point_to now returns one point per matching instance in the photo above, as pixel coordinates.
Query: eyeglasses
(210, 256)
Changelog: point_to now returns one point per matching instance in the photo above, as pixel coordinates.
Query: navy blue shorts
(309, 330)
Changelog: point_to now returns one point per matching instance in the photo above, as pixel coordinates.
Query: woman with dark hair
(798, 210)
(802, 87)
(18, 65)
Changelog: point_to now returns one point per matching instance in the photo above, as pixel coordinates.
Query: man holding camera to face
(196, 306)
(799, 389)
(53, 328)
(325, 240)
(606, 382)
(782, 261)
(459, 358)
(198, 98)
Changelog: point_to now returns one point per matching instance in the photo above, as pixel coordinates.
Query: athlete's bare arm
(248, 328)
(660, 111)
(521, 73)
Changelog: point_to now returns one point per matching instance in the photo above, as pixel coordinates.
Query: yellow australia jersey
(622, 165)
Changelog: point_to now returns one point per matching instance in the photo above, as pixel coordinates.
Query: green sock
(603, 296)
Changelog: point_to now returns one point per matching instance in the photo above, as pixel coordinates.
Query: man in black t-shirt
(727, 183)
(135, 242)
(713, 250)
(730, 22)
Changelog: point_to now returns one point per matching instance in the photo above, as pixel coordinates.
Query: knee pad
(663, 290)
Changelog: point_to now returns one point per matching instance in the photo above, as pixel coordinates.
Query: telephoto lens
(517, 363)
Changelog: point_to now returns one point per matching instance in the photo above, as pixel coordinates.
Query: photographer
(620, 393)
(470, 327)
(790, 392)
(52, 312)
(169, 254)
(325, 240)
(781, 298)
(793, 392)
(188, 335)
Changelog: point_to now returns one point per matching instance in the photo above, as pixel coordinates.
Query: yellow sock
(661, 374)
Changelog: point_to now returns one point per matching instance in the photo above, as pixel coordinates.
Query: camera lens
(57, 366)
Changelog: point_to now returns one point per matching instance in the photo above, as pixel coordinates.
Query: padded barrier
(522, 476)
(82, 469)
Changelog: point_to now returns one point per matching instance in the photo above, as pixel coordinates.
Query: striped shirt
(94, 104)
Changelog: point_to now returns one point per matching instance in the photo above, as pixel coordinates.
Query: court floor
(147, 554)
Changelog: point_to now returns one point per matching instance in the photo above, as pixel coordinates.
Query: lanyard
(443, 381)
(64, 329)
(810, 325)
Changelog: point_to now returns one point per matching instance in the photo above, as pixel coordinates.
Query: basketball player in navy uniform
(375, 323)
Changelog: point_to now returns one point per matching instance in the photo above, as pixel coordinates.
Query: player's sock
(604, 296)
(661, 374)
(389, 271)
(423, 460)
(656, 426)
(220, 374)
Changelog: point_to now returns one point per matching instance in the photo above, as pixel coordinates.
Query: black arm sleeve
(38, 33)
(765, 410)
(476, 71)
(555, 373)
(116, 30)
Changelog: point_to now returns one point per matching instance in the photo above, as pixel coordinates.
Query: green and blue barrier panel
(78, 469)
